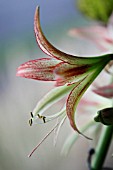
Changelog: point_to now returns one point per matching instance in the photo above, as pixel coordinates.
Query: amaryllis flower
(72, 75)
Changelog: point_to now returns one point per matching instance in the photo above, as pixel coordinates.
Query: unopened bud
(105, 116)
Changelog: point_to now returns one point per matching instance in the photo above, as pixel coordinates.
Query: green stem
(102, 148)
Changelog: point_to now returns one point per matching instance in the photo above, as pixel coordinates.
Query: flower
(72, 75)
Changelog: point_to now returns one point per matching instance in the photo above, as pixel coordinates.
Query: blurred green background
(19, 96)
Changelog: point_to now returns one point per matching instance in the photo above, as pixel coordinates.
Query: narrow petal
(50, 50)
(73, 100)
(40, 69)
(68, 70)
(50, 98)
(66, 73)
(105, 91)
(79, 90)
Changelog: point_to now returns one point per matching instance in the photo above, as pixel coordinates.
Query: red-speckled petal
(50, 50)
(66, 73)
(67, 70)
(40, 69)
(105, 91)
(73, 100)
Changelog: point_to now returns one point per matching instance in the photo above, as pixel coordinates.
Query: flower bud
(105, 116)
(96, 9)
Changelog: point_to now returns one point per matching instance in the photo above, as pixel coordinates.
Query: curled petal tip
(37, 10)
(19, 72)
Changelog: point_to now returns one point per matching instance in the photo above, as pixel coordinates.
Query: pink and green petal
(105, 91)
(42, 63)
(50, 50)
(73, 100)
(66, 73)
(40, 69)
(78, 91)
(68, 70)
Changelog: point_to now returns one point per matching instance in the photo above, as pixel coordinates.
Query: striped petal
(105, 91)
(66, 73)
(77, 92)
(40, 69)
(50, 50)
(68, 70)
(73, 100)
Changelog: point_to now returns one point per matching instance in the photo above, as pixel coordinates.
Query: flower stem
(102, 148)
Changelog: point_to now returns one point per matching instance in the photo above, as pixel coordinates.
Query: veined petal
(40, 69)
(73, 100)
(68, 70)
(50, 50)
(67, 73)
(77, 93)
(105, 91)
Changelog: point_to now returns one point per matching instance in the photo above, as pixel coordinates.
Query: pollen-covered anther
(30, 122)
(42, 117)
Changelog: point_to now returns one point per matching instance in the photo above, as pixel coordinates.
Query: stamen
(42, 117)
(30, 122)
(31, 114)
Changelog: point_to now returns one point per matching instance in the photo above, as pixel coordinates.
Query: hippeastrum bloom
(72, 75)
